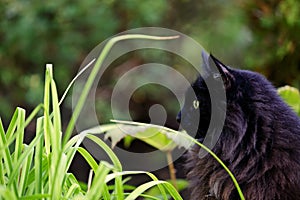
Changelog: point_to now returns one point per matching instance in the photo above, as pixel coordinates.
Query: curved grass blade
(7, 194)
(90, 160)
(236, 184)
(94, 72)
(33, 114)
(116, 163)
(142, 188)
(152, 176)
(21, 159)
(97, 187)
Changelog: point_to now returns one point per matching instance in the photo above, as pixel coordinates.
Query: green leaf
(7, 194)
(116, 162)
(56, 117)
(38, 157)
(5, 151)
(19, 133)
(152, 176)
(24, 173)
(110, 153)
(150, 135)
(154, 135)
(90, 160)
(142, 188)
(98, 184)
(291, 96)
(155, 192)
(128, 140)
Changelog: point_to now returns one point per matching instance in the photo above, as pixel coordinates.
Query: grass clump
(40, 169)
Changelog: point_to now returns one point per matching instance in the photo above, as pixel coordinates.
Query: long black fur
(260, 141)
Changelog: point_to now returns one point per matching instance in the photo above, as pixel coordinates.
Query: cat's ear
(224, 71)
(205, 63)
(219, 71)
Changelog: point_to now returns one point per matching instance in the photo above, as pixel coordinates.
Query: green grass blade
(71, 191)
(38, 157)
(23, 156)
(58, 160)
(74, 140)
(47, 126)
(6, 153)
(71, 147)
(147, 197)
(7, 194)
(97, 187)
(33, 114)
(236, 184)
(142, 188)
(116, 163)
(19, 133)
(74, 79)
(72, 185)
(2, 178)
(106, 195)
(35, 197)
(94, 73)
(59, 176)
(24, 174)
(224, 166)
(12, 125)
(152, 176)
(172, 190)
(56, 118)
(7, 162)
(90, 160)
(49, 133)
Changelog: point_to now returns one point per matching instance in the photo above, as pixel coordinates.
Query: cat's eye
(196, 104)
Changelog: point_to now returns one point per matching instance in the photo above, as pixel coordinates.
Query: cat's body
(260, 142)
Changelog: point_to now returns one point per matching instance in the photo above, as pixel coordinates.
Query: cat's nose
(178, 118)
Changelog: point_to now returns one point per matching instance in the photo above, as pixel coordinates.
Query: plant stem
(172, 170)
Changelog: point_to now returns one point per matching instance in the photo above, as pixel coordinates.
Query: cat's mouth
(192, 128)
(198, 135)
(200, 140)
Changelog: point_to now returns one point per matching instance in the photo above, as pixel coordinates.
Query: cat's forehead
(199, 83)
(196, 88)
(191, 94)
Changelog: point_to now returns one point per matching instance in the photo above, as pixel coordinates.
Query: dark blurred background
(259, 35)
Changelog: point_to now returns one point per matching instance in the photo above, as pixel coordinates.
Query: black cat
(259, 142)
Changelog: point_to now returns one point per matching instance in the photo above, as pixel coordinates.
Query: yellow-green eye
(196, 104)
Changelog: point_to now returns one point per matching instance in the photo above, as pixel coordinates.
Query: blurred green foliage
(33, 33)
(291, 96)
(275, 45)
(260, 35)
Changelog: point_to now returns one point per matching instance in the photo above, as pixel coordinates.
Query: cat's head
(239, 88)
(195, 116)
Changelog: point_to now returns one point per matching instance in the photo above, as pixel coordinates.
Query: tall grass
(40, 169)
